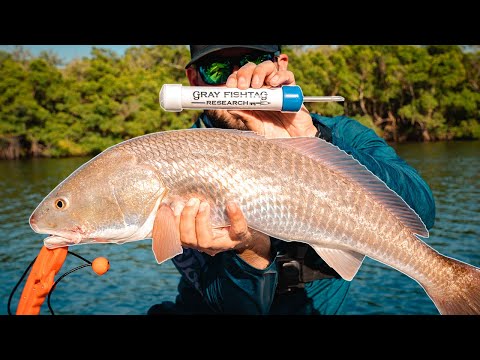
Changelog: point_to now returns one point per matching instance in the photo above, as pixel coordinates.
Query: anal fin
(346, 263)
(165, 235)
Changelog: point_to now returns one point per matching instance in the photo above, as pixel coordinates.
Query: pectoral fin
(165, 235)
(345, 263)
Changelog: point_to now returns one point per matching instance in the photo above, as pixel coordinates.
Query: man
(240, 271)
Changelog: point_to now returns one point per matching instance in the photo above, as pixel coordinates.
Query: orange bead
(100, 265)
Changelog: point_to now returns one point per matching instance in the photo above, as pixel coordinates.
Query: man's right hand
(271, 124)
(196, 232)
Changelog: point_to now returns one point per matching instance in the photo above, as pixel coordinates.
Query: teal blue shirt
(227, 284)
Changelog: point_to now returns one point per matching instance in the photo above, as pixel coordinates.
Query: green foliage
(467, 129)
(402, 92)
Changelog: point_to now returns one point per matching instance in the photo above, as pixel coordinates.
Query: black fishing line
(16, 286)
(88, 263)
(60, 278)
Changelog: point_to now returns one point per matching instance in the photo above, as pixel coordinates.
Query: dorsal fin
(348, 167)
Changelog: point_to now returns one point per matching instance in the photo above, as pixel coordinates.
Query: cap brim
(212, 48)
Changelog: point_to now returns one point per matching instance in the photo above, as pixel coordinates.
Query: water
(135, 281)
(452, 171)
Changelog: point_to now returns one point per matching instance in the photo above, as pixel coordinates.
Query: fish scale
(273, 180)
(268, 172)
(293, 189)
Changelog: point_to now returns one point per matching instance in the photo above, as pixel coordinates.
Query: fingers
(195, 228)
(241, 78)
(239, 230)
(280, 78)
(188, 233)
(196, 231)
(257, 76)
(238, 224)
(203, 226)
(220, 239)
(195, 225)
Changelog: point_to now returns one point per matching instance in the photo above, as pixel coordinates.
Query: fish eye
(61, 203)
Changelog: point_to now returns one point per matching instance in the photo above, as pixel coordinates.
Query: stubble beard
(223, 119)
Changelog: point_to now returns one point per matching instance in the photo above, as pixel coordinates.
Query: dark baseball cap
(199, 51)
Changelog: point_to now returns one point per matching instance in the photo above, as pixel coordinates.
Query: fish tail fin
(461, 295)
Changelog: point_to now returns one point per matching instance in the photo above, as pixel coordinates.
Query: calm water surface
(135, 281)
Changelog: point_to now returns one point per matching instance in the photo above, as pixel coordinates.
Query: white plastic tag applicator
(287, 98)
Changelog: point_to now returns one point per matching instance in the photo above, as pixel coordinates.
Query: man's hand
(272, 124)
(265, 74)
(196, 232)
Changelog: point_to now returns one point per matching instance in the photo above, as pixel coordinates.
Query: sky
(67, 52)
(70, 52)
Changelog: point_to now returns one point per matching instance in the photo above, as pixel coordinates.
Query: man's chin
(223, 119)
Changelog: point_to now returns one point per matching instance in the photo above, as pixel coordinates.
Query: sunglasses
(215, 71)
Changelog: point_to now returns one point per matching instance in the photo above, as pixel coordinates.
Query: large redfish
(295, 189)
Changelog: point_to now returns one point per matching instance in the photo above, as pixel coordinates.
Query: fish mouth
(62, 238)
(54, 241)
(58, 238)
